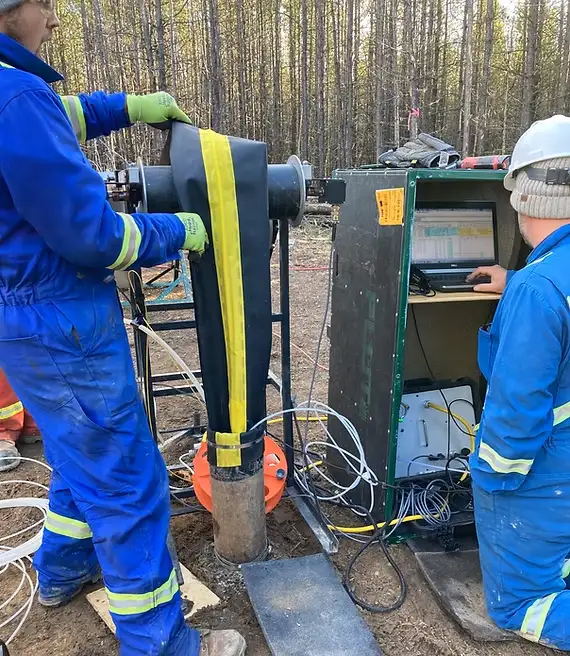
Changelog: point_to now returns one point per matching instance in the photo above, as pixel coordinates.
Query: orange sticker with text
(390, 206)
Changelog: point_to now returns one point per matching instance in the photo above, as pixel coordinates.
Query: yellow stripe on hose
(227, 457)
(218, 165)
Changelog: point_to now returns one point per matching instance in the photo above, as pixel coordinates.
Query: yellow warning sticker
(390, 206)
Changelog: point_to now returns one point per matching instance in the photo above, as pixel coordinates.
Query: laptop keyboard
(447, 278)
(456, 281)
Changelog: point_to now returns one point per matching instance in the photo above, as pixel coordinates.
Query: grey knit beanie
(6, 5)
(537, 199)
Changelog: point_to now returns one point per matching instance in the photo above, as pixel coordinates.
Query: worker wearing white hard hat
(521, 464)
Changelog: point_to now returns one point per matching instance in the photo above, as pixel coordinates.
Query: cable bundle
(19, 556)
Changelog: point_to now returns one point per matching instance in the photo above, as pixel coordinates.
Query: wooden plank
(453, 297)
(193, 591)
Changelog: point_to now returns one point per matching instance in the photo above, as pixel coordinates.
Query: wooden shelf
(452, 297)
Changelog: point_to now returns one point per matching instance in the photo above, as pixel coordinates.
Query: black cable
(184, 392)
(377, 536)
(464, 401)
(420, 343)
(415, 290)
(447, 405)
(428, 367)
(191, 507)
(455, 420)
(414, 460)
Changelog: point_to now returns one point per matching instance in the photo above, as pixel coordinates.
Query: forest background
(334, 81)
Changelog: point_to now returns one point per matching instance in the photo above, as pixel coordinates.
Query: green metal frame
(412, 178)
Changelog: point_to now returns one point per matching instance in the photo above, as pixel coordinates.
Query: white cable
(22, 581)
(16, 556)
(179, 361)
(23, 530)
(435, 467)
(185, 464)
(27, 605)
(21, 482)
(172, 439)
(25, 549)
(20, 459)
(356, 463)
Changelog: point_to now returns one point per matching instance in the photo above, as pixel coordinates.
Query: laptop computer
(450, 240)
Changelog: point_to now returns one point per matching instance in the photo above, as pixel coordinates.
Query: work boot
(9, 455)
(221, 643)
(54, 596)
(30, 436)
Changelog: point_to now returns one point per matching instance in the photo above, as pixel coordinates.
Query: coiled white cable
(11, 554)
(19, 556)
(356, 462)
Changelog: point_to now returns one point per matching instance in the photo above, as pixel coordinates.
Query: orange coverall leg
(15, 421)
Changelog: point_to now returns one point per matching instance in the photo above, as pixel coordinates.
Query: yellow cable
(465, 423)
(413, 518)
(362, 529)
(279, 420)
(366, 529)
(459, 418)
(313, 464)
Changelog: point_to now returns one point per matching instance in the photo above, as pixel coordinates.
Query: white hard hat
(547, 139)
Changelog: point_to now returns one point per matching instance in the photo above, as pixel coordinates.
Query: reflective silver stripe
(11, 410)
(5, 65)
(131, 243)
(540, 259)
(133, 604)
(561, 413)
(74, 110)
(535, 617)
(503, 465)
(71, 528)
(566, 569)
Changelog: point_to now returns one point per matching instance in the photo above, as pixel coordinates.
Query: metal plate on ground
(455, 578)
(303, 609)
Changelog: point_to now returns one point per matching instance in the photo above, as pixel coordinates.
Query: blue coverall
(64, 348)
(521, 465)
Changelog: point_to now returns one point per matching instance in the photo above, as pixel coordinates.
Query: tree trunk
(411, 68)
(160, 49)
(562, 91)
(468, 82)
(304, 62)
(395, 72)
(530, 59)
(320, 56)
(348, 121)
(277, 123)
(216, 89)
(379, 8)
(484, 82)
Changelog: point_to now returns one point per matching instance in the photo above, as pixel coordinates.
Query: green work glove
(196, 236)
(155, 109)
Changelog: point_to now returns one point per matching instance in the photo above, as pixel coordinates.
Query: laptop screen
(453, 237)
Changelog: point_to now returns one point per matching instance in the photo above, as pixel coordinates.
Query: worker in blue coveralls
(521, 465)
(64, 347)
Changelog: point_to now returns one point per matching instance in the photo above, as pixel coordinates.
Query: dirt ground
(419, 628)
